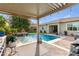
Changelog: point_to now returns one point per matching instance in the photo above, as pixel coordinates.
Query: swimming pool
(33, 37)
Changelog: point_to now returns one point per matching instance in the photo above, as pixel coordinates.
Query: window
(69, 28)
(73, 26)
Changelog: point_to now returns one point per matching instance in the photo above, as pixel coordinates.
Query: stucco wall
(73, 32)
(62, 28)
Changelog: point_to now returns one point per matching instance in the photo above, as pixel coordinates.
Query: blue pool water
(32, 37)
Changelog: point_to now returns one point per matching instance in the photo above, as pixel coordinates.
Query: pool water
(33, 37)
(48, 37)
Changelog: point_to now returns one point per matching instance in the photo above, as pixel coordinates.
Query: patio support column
(38, 45)
(38, 31)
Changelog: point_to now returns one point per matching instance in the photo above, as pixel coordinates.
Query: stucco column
(38, 39)
(38, 30)
(48, 29)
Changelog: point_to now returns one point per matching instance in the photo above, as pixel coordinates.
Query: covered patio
(37, 11)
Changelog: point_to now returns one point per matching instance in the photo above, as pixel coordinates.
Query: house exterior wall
(73, 32)
(63, 27)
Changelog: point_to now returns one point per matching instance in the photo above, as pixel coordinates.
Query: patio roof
(31, 9)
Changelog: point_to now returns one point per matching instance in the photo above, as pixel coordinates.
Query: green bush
(13, 30)
(2, 30)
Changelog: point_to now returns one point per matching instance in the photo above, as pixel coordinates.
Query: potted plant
(39, 41)
(65, 33)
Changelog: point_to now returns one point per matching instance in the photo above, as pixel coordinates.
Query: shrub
(2, 29)
(13, 30)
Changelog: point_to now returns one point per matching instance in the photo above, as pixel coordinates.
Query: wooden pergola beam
(56, 10)
(55, 5)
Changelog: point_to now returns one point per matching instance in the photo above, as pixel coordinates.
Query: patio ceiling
(31, 9)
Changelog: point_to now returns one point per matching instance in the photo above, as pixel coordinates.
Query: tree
(20, 23)
(4, 25)
(2, 21)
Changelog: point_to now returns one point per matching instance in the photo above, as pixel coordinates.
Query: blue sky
(5, 15)
(69, 12)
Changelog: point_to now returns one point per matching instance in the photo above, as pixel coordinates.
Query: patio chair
(76, 36)
(74, 50)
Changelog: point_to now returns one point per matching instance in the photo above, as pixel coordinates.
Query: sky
(5, 15)
(67, 13)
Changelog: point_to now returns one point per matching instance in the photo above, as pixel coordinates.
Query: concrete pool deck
(45, 50)
(59, 48)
